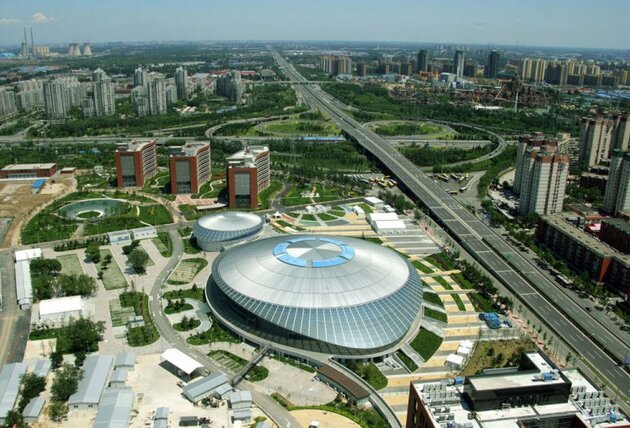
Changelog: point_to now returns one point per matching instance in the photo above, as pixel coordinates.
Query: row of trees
(48, 282)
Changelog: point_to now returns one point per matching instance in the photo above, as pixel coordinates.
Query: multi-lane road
(570, 322)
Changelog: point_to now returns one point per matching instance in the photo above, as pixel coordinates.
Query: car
(625, 328)
(588, 309)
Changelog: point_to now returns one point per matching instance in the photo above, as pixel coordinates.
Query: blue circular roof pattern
(314, 252)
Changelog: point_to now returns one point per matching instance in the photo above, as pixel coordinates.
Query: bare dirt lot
(325, 419)
(17, 201)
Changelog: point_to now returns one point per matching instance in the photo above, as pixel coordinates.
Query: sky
(563, 23)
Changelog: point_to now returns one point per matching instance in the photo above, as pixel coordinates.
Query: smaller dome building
(215, 232)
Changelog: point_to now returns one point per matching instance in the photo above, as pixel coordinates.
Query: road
(276, 412)
(579, 330)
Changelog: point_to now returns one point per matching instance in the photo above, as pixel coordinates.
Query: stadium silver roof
(345, 291)
(227, 226)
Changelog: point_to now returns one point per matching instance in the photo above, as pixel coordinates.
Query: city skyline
(544, 24)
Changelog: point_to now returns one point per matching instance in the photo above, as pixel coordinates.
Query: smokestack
(32, 43)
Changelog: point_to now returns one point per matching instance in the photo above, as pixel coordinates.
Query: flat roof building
(355, 392)
(60, 308)
(95, 374)
(29, 170)
(585, 253)
(190, 167)
(136, 161)
(125, 360)
(33, 409)
(535, 394)
(160, 417)
(248, 173)
(180, 364)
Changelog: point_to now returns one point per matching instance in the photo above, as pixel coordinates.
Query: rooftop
(346, 382)
(24, 166)
(247, 156)
(181, 360)
(191, 148)
(95, 372)
(205, 385)
(10, 385)
(559, 222)
(618, 224)
(115, 408)
(445, 401)
(60, 305)
(134, 145)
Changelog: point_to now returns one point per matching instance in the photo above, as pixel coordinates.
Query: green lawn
(440, 280)
(408, 362)
(189, 293)
(186, 271)
(441, 260)
(155, 214)
(326, 217)
(432, 298)
(163, 244)
(459, 302)
(369, 373)
(70, 264)
(140, 336)
(264, 197)
(366, 208)
(432, 313)
(119, 314)
(421, 267)
(308, 217)
(426, 343)
(112, 275)
(216, 333)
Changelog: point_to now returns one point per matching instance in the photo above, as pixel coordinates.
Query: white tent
(455, 361)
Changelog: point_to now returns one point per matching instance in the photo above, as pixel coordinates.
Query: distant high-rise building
(156, 94)
(140, 77)
(190, 167)
(422, 60)
(595, 139)
(181, 81)
(533, 69)
(621, 132)
(171, 94)
(7, 102)
(362, 69)
(248, 173)
(231, 86)
(617, 195)
(493, 64)
(136, 161)
(541, 175)
(61, 94)
(30, 94)
(335, 65)
(458, 63)
(103, 94)
(556, 73)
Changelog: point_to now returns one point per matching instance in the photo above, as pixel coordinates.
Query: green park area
(109, 272)
(235, 364)
(293, 127)
(429, 131)
(116, 211)
(186, 271)
(70, 264)
(426, 343)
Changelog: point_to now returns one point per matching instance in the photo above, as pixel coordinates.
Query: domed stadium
(215, 232)
(334, 295)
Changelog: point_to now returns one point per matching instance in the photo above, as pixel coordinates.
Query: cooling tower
(87, 50)
(73, 49)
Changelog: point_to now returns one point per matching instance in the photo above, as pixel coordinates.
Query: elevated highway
(598, 348)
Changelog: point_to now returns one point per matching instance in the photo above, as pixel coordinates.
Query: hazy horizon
(585, 24)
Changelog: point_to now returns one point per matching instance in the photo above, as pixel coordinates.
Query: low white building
(373, 201)
(23, 285)
(373, 217)
(389, 227)
(119, 237)
(358, 211)
(144, 233)
(61, 308)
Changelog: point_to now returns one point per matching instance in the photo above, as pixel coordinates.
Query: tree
(58, 411)
(92, 253)
(80, 335)
(56, 359)
(138, 260)
(65, 383)
(14, 418)
(76, 285)
(32, 386)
